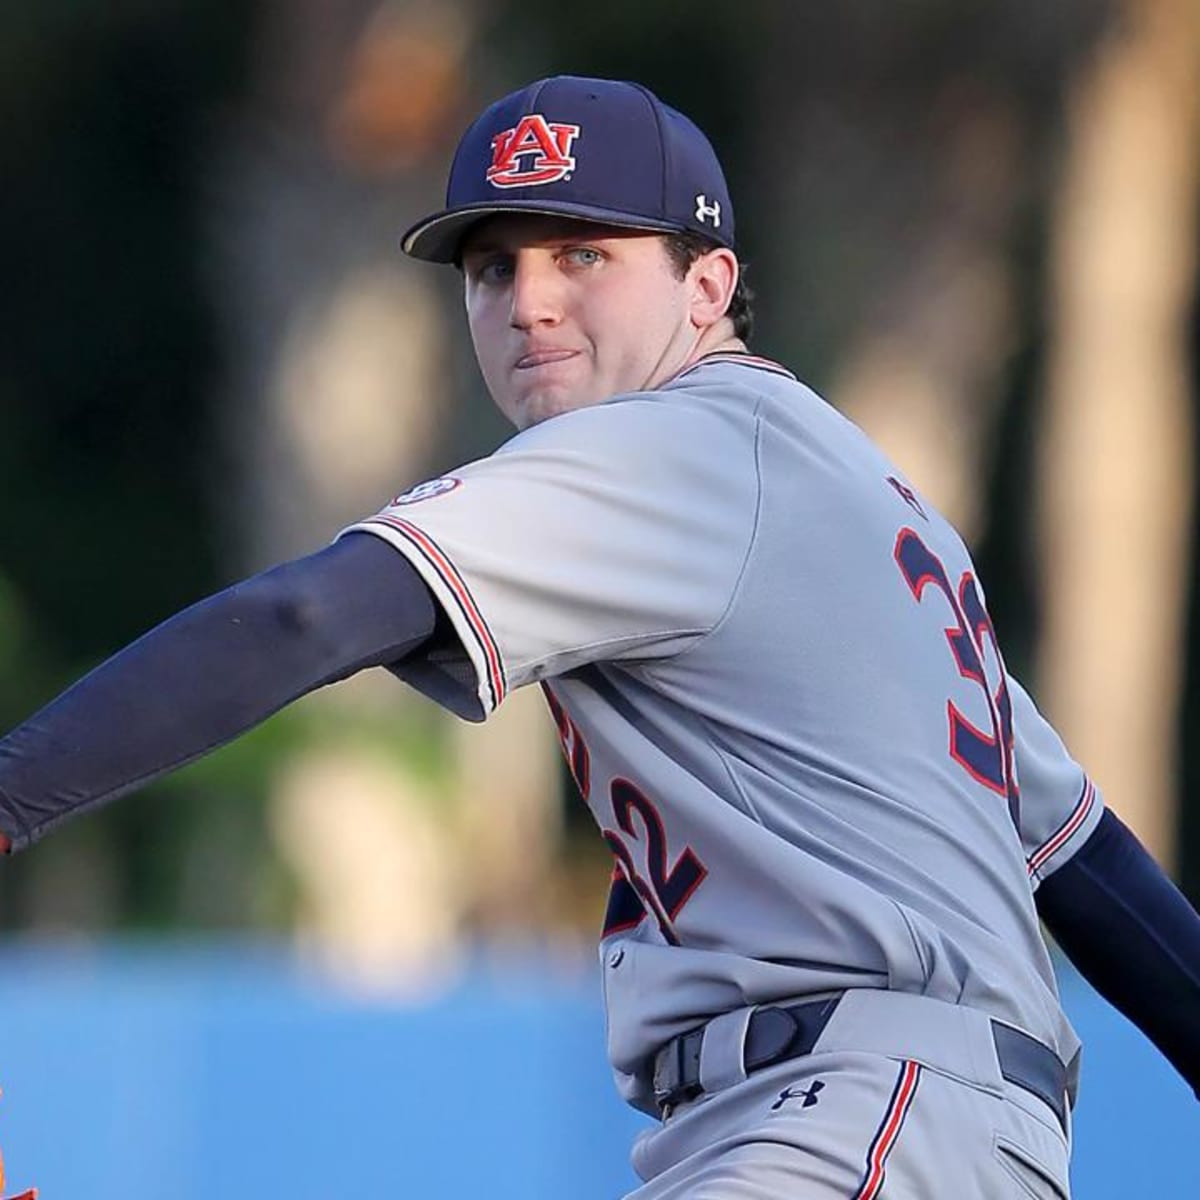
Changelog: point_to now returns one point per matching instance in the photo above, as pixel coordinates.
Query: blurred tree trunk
(343, 395)
(925, 375)
(1116, 442)
(909, 152)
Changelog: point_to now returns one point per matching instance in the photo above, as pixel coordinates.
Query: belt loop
(1073, 1077)
(722, 1053)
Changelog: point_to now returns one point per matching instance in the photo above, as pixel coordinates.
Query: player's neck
(716, 339)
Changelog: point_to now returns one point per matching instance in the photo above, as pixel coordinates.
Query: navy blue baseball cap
(597, 149)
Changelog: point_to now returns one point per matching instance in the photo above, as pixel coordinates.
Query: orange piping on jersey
(1039, 857)
(445, 569)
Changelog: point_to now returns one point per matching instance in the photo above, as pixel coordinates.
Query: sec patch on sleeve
(428, 490)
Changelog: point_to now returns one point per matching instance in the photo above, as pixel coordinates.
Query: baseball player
(835, 818)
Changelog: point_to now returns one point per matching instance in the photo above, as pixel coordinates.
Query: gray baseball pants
(902, 1098)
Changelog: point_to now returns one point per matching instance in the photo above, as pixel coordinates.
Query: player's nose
(536, 292)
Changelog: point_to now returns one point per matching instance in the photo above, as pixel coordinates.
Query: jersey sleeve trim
(454, 596)
(1067, 830)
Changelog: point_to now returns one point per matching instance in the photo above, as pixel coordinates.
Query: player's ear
(712, 279)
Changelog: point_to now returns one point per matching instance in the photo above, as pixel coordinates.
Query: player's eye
(582, 256)
(492, 271)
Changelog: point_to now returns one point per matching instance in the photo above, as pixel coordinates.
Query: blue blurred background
(142, 1071)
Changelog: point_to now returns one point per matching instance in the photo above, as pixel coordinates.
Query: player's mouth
(542, 358)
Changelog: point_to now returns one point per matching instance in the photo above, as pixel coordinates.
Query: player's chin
(541, 404)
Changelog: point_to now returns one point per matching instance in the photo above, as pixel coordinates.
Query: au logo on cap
(533, 151)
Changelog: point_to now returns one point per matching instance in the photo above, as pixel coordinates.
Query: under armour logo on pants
(789, 1093)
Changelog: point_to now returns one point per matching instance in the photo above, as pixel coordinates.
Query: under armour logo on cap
(534, 151)
(704, 209)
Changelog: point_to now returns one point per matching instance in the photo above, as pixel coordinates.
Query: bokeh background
(354, 950)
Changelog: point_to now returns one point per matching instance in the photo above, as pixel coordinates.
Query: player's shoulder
(747, 384)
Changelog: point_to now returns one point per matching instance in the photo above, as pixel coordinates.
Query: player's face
(564, 313)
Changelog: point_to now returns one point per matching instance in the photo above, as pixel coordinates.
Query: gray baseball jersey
(775, 679)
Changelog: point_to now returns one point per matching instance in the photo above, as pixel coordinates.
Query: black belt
(775, 1034)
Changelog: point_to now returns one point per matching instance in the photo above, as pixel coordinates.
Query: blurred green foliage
(108, 360)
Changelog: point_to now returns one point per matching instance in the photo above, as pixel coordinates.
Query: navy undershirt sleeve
(1133, 935)
(208, 674)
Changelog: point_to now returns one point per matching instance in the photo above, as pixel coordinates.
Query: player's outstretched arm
(1134, 937)
(208, 674)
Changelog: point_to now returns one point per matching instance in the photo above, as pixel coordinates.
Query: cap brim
(437, 238)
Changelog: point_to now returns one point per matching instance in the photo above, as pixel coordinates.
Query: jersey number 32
(985, 754)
